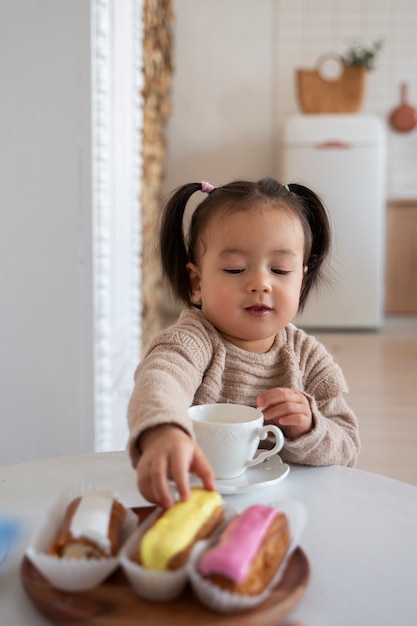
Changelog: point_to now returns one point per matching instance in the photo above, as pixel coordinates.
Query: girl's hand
(287, 408)
(168, 452)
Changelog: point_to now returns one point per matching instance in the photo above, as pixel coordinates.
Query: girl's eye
(281, 272)
(234, 271)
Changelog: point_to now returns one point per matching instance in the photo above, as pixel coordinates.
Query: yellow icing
(177, 527)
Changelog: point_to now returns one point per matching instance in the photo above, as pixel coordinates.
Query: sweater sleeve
(334, 438)
(165, 383)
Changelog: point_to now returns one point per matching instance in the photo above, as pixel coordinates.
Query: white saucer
(268, 473)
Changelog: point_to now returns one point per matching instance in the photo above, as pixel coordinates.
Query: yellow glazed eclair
(168, 543)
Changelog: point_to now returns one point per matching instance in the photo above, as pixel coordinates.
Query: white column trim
(103, 207)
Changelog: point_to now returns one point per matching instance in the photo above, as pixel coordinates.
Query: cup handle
(262, 434)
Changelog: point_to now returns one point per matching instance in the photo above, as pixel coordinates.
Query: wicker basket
(318, 94)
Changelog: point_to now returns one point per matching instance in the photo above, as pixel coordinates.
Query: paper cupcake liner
(64, 573)
(150, 584)
(157, 586)
(224, 601)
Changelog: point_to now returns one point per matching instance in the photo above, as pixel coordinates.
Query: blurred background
(235, 80)
(110, 104)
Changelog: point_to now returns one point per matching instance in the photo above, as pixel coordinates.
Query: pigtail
(173, 250)
(316, 215)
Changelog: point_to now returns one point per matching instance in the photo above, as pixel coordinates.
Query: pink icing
(233, 555)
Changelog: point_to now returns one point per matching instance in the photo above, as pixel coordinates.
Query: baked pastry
(249, 551)
(168, 542)
(91, 527)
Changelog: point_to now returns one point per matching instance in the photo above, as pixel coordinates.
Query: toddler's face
(248, 274)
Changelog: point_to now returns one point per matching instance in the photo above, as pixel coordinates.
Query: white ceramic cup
(229, 436)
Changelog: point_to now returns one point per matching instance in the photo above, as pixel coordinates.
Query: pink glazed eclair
(249, 551)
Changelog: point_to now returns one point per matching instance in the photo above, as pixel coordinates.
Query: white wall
(234, 83)
(46, 367)
(222, 96)
(70, 120)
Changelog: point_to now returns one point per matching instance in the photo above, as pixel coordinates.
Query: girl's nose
(259, 283)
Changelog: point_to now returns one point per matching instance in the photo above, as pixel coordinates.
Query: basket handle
(330, 66)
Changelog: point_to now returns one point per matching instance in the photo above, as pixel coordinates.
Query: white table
(360, 539)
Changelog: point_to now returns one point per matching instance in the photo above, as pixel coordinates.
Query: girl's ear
(194, 277)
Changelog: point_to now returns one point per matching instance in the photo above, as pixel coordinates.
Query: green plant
(358, 55)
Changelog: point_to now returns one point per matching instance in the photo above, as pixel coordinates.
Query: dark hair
(177, 248)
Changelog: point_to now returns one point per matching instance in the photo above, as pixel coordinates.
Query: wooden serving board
(114, 603)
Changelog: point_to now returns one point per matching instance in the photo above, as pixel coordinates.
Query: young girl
(253, 253)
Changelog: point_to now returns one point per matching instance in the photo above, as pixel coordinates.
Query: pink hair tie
(206, 187)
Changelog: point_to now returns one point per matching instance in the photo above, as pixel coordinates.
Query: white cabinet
(69, 224)
(342, 158)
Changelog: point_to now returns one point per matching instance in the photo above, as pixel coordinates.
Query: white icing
(92, 518)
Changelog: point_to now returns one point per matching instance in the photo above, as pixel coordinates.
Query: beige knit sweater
(190, 363)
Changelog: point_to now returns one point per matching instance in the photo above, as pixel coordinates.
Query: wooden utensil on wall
(404, 117)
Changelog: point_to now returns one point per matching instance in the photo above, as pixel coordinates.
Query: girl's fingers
(154, 471)
(153, 482)
(179, 473)
(201, 467)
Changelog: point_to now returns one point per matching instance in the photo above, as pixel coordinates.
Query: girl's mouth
(258, 310)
